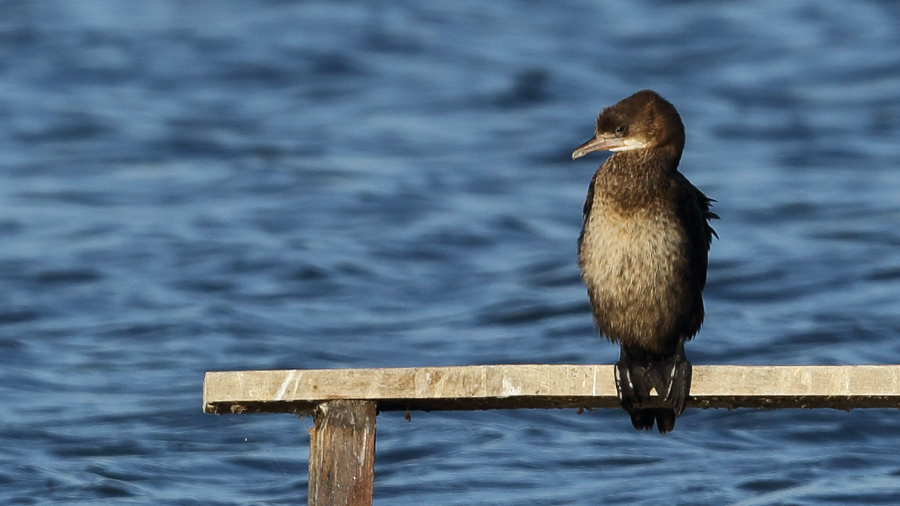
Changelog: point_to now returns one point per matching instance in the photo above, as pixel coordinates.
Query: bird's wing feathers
(694, 208)
(588, 201)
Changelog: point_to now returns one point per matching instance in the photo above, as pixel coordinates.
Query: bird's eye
(620, 130)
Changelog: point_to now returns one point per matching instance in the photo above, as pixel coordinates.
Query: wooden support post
(342, 454)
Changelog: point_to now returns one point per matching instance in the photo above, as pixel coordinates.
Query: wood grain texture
(342, 454)
(544, 386)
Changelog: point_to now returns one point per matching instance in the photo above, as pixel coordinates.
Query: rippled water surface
(212, 185)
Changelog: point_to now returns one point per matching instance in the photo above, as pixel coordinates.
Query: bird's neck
(659, 160)
(633, 179)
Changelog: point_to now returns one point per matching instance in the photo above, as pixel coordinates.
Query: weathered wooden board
(544, 386)
(342, 454)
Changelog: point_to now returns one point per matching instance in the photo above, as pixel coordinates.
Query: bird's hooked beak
(600, 143)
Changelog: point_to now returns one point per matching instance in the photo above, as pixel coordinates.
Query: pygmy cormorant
(643, 253)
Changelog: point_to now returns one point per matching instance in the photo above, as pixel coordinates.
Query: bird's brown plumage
(644, 242)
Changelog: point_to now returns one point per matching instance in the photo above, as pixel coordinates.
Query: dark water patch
(767, 485)
(195, 144)
(486, 184)
(82, 449)
(310, 273)
(18, 30)
(326, 286)
(67, 277)
(883, 68)
(278, 222)
(790, 211)
(209, 502)
(556, 279)
(273, 73)
(871, 237)
(208, 286)
(14, 316)
(716, 264)
(112, 489)
(574, 329)
(258, 265)
(778, 99)
(530, 88)
(824, 157)
(622, 498)
(525, 312)
(267, 464)
(844, 433)
(336, 65)
(775, 133)
(407, 454)
(775, 285)
(878, 424)
(849, 462)
(83, 198)
(468, 241)
(553, 274)
(148, 330)
(616, 462)
(888, 274)
(512, 224)
(654, 55)
(817, 337)
(10, 227)
(214, 118)
(888, 497)
(67, 127)
(537, 434)
(397, 208)
(415, 253)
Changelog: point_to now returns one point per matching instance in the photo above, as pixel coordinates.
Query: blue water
(217, 185)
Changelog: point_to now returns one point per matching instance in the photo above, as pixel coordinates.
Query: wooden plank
(342, 454)
(545, 386)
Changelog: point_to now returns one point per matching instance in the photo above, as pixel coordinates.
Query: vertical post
(342, 454)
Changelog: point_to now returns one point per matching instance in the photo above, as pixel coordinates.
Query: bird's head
(643, 120)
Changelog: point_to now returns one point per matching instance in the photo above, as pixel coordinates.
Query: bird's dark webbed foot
(625, 383)
(637, 377)
(632, 390)
(678, 370)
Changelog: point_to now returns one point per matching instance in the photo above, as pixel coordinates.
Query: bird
(643, 253)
